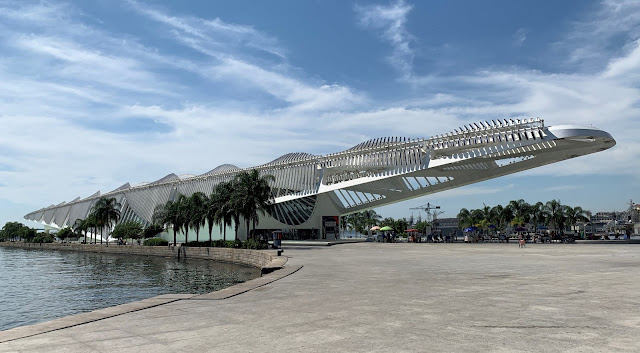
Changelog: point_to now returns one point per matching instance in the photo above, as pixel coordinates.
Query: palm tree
(170, 214)
(219, 208)
(107, 212)
(182, 205)
(500, 216)
(388, 222)
(477, 216)
(196, 212)
(350, 221)
(575, 215)
(81, 226)
(464, 218)
(401, 225)
(537, 213)
(519, 208)
(211, 211)
(343, 224)
(370, 217)
(253, 195)
(554, 212)
(92, 223)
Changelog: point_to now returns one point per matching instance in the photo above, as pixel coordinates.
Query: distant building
(602, 217)
(447, 226)
(445, 223)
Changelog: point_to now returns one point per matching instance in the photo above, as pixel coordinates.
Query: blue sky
(97, 93)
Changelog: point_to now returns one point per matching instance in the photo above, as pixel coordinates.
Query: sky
(94, 94)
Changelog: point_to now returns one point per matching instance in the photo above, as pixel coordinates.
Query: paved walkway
(374, 297)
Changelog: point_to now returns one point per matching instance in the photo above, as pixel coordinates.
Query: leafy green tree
(483, 225)
(152, 230)
(27, 233)
(128, 230)
(422, 226)
(64, 233)
(43, 238)
(12, 230)
(518, 222)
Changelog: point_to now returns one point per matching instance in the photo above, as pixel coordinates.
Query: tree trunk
(254, 227)
(174, 236)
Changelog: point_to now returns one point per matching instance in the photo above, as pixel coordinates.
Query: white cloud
(212, 35)
(625, 68)
(392, 21)
(519, 37)
(596, 37)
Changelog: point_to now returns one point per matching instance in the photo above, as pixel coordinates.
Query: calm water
(41, 285)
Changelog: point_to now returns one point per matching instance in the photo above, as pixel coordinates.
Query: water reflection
(40, 285)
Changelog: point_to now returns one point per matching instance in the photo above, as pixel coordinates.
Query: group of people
(436, 237)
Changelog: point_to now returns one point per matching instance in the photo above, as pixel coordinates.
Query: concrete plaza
(375, 297)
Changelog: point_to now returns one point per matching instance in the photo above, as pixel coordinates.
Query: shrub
(43, 238)
(199, 243)
(254, 245)
(156, 242)
(152, 230)
(219, 243)
(127, 230)
(234, 244)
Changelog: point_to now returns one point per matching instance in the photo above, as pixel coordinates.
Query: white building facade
(310, 192)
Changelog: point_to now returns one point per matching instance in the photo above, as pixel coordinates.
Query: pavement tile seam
(240, 289)
(85, 322)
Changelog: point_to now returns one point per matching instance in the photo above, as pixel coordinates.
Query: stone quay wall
(255, 258)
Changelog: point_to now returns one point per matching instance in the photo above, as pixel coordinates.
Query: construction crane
(428, 208)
